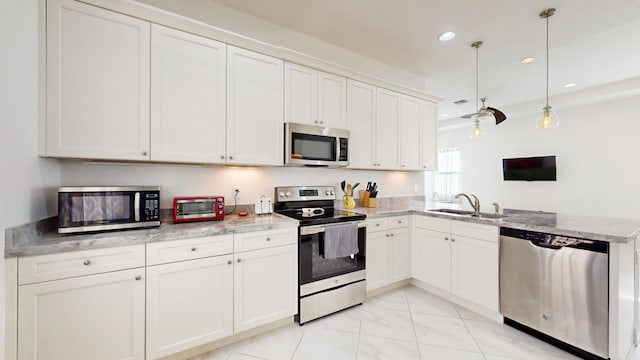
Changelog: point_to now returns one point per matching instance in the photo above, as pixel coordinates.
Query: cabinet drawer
(398, 222)
(264, 239)
(433, 223)
(187, 249)
(476, 231)
(78, 263)
(377, 224)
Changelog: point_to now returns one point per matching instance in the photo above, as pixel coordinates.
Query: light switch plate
(264, 205)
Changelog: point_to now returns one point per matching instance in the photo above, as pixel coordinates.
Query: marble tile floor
(404, 324)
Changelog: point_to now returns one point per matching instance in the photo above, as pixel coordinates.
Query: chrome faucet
(496, 207)
(474, 204)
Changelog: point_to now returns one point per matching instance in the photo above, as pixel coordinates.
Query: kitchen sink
(469, 213)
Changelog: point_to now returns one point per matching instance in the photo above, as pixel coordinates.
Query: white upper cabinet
(301, 94)
(188, 97)
(429, 138)
(332, 100)
(361, 100)
(314, 97)
(97, 83)
(254, 108)
(409, 133)
(386, 131)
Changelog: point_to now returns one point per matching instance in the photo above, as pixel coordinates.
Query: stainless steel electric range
(328, 281)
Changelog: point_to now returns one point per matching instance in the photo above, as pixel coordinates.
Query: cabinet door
(377, 262)
(386, 138)
(409, 133)
(332, 100)
(265, 286)
(300, 94)
(432, 258)
(189, 303)
(188, 97)
(474, 271)
(97, 83)
(361, 119)
(88, 317)
(254, 108)
(429, 138)
(399, 255)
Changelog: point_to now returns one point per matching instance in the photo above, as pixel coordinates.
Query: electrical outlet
(235, 194)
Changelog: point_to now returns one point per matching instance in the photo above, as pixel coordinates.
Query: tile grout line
(470, 333)
(413, 325)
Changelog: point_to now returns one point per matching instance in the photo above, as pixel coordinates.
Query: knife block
(366, 200)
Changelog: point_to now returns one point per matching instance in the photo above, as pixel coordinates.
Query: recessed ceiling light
(527, 60)
(446, 36)
(570, 85)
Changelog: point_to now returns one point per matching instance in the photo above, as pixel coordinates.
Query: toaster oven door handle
(310, 230)
(136, 206)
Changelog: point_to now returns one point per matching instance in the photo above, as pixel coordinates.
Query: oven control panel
(304, 193)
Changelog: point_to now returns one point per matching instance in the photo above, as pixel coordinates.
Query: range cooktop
(312, 205)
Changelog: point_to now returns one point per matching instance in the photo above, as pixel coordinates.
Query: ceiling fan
(484, 110)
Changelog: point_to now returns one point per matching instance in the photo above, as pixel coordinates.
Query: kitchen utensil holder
(366, 200)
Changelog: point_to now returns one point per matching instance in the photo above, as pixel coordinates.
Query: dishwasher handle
(555, 242)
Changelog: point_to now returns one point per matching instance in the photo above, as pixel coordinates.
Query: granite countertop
(38, 240)
(614, 230)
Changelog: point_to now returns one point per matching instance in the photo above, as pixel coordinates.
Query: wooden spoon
(349, 191)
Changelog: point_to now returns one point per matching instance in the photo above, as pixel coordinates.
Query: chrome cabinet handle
(193, 249)
(230, 157)
(239, 260)
(268, 239)
(86, 262)
(446, 238)
(138, 277)
(221, 157)
(229, 262)
(391, 234)
(453, 240)
(144, 153)
(387, 235)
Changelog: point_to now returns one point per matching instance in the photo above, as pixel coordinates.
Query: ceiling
(592, 42)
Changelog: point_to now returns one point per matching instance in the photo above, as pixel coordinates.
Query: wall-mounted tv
(540, 168)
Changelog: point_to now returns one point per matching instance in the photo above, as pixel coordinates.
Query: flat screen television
(540, 168)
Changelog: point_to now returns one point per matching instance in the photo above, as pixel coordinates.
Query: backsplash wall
(253, 182)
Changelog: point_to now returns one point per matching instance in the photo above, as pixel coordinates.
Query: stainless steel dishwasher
(558, 286)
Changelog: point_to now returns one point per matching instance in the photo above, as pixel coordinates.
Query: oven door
(312, 264)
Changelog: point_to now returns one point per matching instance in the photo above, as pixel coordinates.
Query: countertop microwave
(85, 209)
(312, 145)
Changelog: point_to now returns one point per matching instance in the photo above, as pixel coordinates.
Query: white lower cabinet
(458, 257)
(101, 304)
(88, 317)
(189, 303)
(388, 251)
(265, 286)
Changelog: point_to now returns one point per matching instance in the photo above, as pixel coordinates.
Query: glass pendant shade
(547, 118)
(477, 131)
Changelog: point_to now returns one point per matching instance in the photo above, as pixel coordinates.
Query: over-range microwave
(312, 145)
(84, 209)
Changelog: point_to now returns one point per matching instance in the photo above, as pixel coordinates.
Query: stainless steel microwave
(84, 209)
(312, 145)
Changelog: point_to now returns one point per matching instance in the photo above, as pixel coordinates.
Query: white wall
(185, 180)
(598, 160)
(227, 18)
(27, 185)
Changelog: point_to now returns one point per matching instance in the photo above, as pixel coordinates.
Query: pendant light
(547, 118)
(477, 132)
